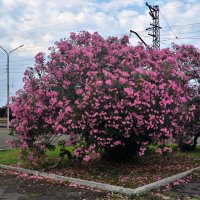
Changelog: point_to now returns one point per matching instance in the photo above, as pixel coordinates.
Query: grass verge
(9, 157)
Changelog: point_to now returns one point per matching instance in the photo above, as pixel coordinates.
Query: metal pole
(139, 37)
(8, 81)
(8, 91)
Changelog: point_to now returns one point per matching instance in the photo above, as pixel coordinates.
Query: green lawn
(9, 157)
(195, 154)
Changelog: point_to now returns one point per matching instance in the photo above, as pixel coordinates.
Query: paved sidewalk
(191, 189)
(3, 137)
(13, 187)
(185, 191)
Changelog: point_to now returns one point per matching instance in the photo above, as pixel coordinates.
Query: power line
(182, 38)
(173, 26)
(182, 33)
(192, 24)
(169, 27)
(163, 43)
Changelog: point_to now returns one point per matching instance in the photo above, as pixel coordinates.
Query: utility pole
(155, 26)
(8, 82)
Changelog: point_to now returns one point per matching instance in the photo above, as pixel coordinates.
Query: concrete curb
(6, 149)
(102, 186)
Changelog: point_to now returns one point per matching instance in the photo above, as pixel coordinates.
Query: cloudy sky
(37, 24)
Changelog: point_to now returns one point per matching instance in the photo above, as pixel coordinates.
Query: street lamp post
(8, 84)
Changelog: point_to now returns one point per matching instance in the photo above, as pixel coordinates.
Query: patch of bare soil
(135, 174)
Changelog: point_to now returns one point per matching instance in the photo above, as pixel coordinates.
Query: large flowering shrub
(106, 96)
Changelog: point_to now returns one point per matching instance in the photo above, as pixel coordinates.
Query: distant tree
(3, 111)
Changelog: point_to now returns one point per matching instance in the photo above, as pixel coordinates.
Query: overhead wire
(182, 33)
(186, 38)
(170, 27)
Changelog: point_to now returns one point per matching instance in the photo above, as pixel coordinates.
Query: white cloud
(128, 19)
(119, 4)
(9, 4)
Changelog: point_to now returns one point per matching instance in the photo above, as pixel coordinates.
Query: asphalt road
(13, 187)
